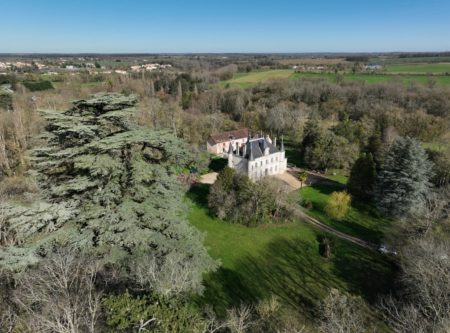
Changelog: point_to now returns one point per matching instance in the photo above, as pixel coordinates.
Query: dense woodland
(94, 170)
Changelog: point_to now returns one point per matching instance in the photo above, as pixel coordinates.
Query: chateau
(255, 157)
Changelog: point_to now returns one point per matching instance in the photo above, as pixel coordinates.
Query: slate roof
(227, 136)
(257, 147)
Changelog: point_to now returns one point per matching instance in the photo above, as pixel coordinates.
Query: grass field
(423, 68)
(410, 60)
(376, 78)
(246, 80)
(363, 221)
(313, 61)
(284, 261)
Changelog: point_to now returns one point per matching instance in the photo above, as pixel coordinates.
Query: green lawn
(282, 260)
(418, 68)
(340, 176)
(363, 220)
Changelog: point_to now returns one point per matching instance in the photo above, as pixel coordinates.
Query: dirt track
(305, 217)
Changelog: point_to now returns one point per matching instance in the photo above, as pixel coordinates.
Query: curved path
(311, 220)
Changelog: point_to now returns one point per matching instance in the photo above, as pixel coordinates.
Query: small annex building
(219, 143)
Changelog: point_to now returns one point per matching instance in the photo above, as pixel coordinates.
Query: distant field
(246, 80)
(415, 60)
(376, 78)
(418, 68)
(312, 61)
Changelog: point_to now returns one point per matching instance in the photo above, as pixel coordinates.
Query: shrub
(38, 85)
(338, 205)
(308, 204)
(325, 247)
(6, 101)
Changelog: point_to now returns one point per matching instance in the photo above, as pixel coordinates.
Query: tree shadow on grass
(367, 273)
(294, 272)
(198, 193)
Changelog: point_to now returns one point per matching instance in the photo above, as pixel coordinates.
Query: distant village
(82, 64)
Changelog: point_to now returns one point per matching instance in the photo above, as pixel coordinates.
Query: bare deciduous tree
(342, 314)
(240, 318)
(60, 295)
(425, 305)
(169, 277)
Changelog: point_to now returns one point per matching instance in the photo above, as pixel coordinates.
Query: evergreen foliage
(108, 185)
(362, 177)
(126, 313)
(6, 100)
(375, 147)
(403, 181)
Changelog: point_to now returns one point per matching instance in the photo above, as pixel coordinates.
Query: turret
(275, 142)
(264, 147)
(282, 144)
(230, 155)
(250, 154)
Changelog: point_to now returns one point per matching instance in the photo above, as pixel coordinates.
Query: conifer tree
(362, 177)
(108, 186)
(403, 181)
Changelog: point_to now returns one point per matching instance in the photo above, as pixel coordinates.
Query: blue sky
(224, 26)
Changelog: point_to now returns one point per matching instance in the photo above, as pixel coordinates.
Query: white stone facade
(258, 158)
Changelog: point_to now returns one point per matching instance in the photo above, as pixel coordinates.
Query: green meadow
(282, 261)
(424, 68)
(246, 80)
